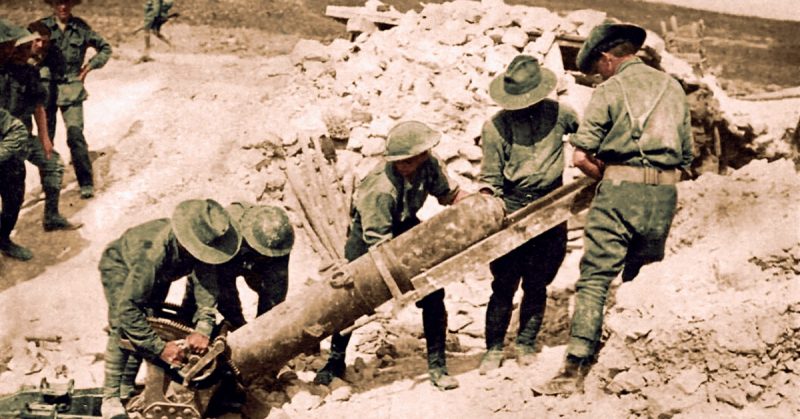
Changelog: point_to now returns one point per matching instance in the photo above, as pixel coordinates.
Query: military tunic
(628, 223)
(155, 13)
(20, 93)
(385, 205)
(523, 160)
(14, 145)
(72, 44)
(136, 271)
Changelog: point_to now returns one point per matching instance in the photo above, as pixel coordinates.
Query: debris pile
(715, 321)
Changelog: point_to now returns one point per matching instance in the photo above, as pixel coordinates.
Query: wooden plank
(345, 12)
(525, 224)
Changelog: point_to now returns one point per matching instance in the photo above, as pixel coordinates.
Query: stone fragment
(360, 25)
(309, 50)
(471, 152)
(464, 168)
(373, 146)
(629, 381)
(447, 149)
(342, 393)
(498, 58)
(735, 397)
(515, 37)
(303, 401)
(770, 329)
(690, 380)
(280, 65)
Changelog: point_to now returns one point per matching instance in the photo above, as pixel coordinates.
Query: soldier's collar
(626, 64)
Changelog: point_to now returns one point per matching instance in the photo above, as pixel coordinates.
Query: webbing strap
(638, 123)
(376, 253)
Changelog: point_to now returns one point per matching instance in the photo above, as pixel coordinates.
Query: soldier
(136, 271)
(263, 261)
(48, 62)
(22, 94)
(14, 147)
(635, 135)
(72, 36)
(386, 205)
(523, 160)
(156, 14)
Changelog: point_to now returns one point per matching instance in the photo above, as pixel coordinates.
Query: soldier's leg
(647, 246)
(506, 276)
(335, 366)
(12, 193)
(434, 325)
(542, 265)
(112, 276)
(230, 306)
(79, 149)
(51, 173)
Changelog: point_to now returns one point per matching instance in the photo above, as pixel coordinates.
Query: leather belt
(646, 175)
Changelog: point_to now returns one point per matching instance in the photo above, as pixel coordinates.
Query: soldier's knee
(75, 134)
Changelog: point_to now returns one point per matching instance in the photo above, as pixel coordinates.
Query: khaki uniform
(385, 205)
(20, 92)
(155, 13)
(523, 160)
(136, 271)
(71, 44)
(628, 221)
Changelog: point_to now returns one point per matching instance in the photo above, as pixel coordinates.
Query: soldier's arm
(133, 300)
(206, 294)
(491, 176)
(40, 116)
(596, 123)
(446, 191)
(103, 49)
(375, 210)
(270, 279)
(13, 136)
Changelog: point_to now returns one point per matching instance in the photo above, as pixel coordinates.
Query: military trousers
(626, 227)
(121, 366)
(12, 194)
(51, 172)
(79, 149)
(535, 263)
(434, 313)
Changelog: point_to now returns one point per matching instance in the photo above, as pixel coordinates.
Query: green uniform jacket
(20, 91)
(384, 199)
(666, 138)
(72, 44)
(523, 149)
(14, 137)
(152, 258)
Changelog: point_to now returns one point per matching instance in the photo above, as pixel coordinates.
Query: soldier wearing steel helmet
(136, 271)
(263, 261)
(385, 205)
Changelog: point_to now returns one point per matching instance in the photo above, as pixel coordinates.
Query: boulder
(515, 37)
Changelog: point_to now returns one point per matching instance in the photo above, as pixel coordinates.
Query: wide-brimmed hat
(11, 32)
(265, 228)
(523, 84)
(206, 230)
(603, 34)
(408, 139)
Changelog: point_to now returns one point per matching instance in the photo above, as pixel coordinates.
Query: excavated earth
(714, 329)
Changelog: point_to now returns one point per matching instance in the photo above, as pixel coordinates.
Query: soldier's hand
(198, 343)
(172, 353)
(84, 71)
(47, 146)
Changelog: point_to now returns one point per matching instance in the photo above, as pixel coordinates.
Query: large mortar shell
(300, 323)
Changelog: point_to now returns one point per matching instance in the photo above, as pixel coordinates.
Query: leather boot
(569, 380)
(112, 409)
(335, 367)
(52, 219)
(15, 251)
(492, 360)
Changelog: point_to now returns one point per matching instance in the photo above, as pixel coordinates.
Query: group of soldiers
(42, 71)
(635, 138)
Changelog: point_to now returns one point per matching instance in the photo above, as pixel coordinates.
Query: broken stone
(689, 381)
(342, 393)
(464, 168)
(515, 37)
(458, 322)
(357, 138)
(309, 50)
(447, 149)
(769, 329)
(304, 401)
(498, 58)
(373, 146)
(360, 25)
(735, 397)
(626, 382)
(280, 65)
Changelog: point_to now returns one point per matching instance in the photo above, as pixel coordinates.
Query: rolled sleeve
(439, 184)
(491, 176)
(375, 210)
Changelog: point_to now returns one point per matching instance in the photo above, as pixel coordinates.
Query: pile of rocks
(720, 319)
